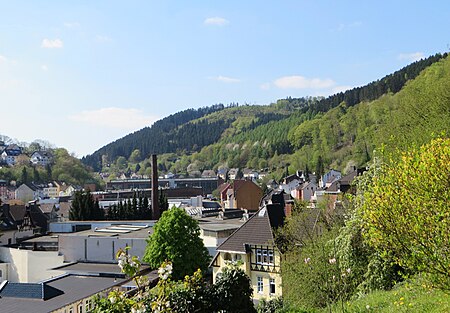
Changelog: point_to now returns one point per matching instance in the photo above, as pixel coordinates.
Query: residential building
(305, 191)
(241, 194)
(250, 174)
(328, 178)
(253, 244)
(42, 158)
(291, 182)
(233, 174)
(28, 192)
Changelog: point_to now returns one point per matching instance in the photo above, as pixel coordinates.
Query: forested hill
(155, 139)
(227, 133)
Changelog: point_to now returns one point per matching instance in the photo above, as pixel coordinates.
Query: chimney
(155, 205)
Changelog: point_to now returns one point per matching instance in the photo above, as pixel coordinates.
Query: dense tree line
(154, 139)
(392, 83)
(85, 208)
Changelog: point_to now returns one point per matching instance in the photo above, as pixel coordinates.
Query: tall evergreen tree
(24, 175)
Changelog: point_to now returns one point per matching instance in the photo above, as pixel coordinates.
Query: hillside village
(36, 226)
(75, 240)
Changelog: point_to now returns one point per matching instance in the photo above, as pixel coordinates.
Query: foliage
(313, 277)
(270, 306)
(415, 295)
(233, 290)
(192, 294)
(176, 238)
(154, 139)
(135, 209)
(406, 212)
(83, 207)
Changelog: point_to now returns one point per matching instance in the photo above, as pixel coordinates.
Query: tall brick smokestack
(155, 205)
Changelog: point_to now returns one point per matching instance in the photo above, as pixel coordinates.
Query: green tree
(24, 175)
(176, 238)
(135, 156)
(84, 207)
(406, 210)
(233, 291)
(163, 202)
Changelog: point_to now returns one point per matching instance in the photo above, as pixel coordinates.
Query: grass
(410, 296)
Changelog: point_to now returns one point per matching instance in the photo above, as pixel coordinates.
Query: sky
(81, 74)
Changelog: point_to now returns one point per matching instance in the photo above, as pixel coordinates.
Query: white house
(328, 178)
(42, 158)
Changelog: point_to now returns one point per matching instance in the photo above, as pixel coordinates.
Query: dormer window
(264, 257)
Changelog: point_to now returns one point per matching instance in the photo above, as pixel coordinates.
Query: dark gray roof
(29, 291)
(72, 288)
(93, 268)
(256, 231)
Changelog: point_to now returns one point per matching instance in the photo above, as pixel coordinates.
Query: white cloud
(126, 119)
(265, 86)
(225, 79)
(52, 43)
(411, 57)
(3, 59)
(300, 82)
(44, 67)
(338, 89)
(71, 24)
(218, 21)
(101, 38)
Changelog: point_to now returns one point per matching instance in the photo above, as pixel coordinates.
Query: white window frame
(265, 257)
(260, 284)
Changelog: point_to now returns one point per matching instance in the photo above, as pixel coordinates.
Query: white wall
(27, 266)
(14, 235)
(98, 249)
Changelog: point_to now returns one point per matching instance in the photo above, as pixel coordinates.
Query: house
(272, 184)
(250, 174)
(3, 190)
(66, 190)
(222, 172)
(28, 192)
(241, 194)
(208, 173)
(42, 158)
(233, 173)
(291, 182)
(305, 191)
(346, 182)
(10, 153)
(51, 190)
(328, 178)
(15, 223)
(253, 244)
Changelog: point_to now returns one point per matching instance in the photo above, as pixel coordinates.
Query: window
(258, 256)
(88, 305)
(264, 257)
(272, 285)
(271, 261)
(80, 308)
(227, 257)
(71, 310)
(260, 285)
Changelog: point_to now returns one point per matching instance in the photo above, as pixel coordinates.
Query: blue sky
(81, 74)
